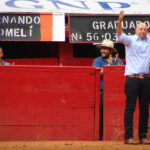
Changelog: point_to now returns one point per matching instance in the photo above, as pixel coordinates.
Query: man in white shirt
(137, 83)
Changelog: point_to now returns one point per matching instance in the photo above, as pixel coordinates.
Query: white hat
(106, 43)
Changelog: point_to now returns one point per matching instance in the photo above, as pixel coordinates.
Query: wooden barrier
(52, 61)
(34, 61)
(114, 104)
(49, 103)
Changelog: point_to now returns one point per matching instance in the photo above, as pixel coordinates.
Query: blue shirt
(137, 54)
(5, 63)
(100, 62)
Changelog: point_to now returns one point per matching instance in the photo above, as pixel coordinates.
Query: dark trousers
(136, 87)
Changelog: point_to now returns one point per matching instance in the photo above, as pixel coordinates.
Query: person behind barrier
(1, 55)
(106, 50)
(106, 58)
(137, 48)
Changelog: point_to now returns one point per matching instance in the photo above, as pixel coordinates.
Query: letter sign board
(89, 29)
(32, 27)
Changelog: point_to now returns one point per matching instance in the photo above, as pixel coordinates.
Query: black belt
(140, 76)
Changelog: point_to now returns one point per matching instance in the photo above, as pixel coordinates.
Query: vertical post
(97, 103)
(65, 54)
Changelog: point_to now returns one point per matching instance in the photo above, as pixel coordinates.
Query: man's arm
(116, 59)
(123, 38)
(97, 63)
(119, 26)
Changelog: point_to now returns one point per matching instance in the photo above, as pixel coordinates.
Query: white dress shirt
(137, 54)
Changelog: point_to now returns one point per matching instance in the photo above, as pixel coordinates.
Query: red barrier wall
(49, 103)
(114, 104)
(52, 61)
(34, 61)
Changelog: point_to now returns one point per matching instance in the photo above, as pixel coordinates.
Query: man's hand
(110, 59)
(101, 72)
(116, 59)
(13, 63)
(121, 15)
(119, 26)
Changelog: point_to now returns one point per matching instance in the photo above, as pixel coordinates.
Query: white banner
(58, 27)
(77, 6)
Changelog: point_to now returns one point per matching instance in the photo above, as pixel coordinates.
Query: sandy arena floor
(70, 146)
